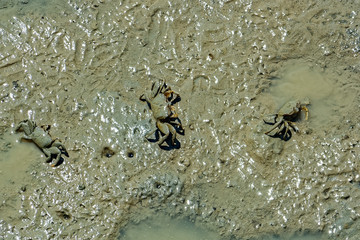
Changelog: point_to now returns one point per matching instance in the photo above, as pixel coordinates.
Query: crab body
(41, 137)
(286, 117)
(160, 101)
(160, 107)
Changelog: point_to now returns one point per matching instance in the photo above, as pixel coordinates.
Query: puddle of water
(166, 228)
(298, 81)
(303, 236)
(15, 164)
(163, 227)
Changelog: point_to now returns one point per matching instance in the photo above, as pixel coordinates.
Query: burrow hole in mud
(63, 215)
(130, 153)
(107, 152)
(157, 185)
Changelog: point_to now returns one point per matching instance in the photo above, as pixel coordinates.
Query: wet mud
(81, 67)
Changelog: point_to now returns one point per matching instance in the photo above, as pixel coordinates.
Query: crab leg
(164, 128)
(170, 94)
(52, 151)
(173, 112)
(159, 88)
(173, 133)
(286, 125)
(176, 122)
(27, 126)
(293, 125)
(57, 160)
(144, 98)
(150, 133)
(275, 126)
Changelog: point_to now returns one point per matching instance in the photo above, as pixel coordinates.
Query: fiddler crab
(161, 101)
(41, 137)
(286, 117)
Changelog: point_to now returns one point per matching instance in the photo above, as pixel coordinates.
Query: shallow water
(81, 66)
(300, 80)
(165, 228)
(17, 162)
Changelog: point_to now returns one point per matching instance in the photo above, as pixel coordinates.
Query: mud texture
(81, 66)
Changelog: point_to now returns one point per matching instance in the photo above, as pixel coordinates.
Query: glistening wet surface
(81, 67)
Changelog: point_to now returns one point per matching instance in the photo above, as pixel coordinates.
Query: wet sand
(81, 66)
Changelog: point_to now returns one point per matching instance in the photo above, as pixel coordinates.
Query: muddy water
(15, 161)
(304, 81)
(162, 227)
(165, 228)
(81, 66)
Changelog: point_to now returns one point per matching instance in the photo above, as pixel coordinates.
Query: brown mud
(81, 66)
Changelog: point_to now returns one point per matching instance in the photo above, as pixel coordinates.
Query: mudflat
(81, 67)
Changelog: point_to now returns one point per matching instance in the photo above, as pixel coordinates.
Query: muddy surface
(81, 66)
